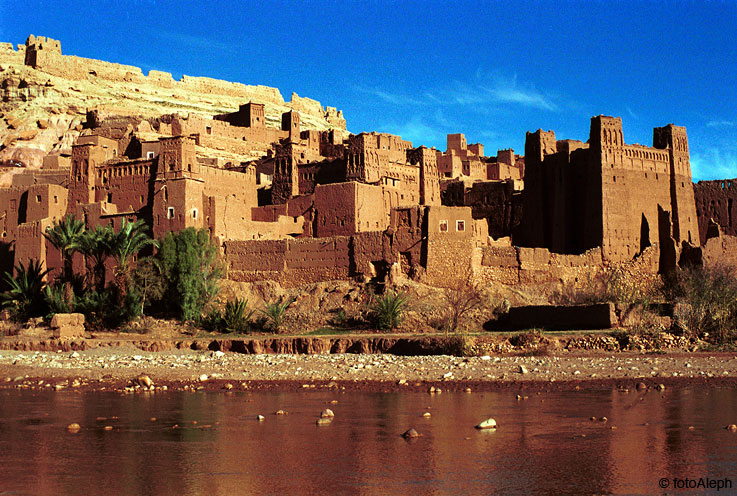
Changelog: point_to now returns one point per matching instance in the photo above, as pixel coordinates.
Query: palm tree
(124, 245)
(95, 245)
(25, 296)
(62, 235)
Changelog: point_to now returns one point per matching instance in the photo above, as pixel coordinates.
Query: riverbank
(116, 368)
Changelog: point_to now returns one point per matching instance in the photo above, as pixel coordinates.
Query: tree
(124, 245)
(25, 298)
(148, 280)
(95, 245)
(461, 297)
(63, 236)
(189, 260)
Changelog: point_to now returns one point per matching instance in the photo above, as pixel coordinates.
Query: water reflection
(206, 443)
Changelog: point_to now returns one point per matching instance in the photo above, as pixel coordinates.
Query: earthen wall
(717, 201)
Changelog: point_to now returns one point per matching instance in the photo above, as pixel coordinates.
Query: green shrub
(24, 298)
(102, 311)
(274, 313)
(57, 300)
(211, 320)
(387, 309)
(189, 262)
(236, 316)
(340, 318)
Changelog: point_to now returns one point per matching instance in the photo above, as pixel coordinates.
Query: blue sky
(492, 70)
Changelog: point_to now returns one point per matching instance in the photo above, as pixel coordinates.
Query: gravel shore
(105, 368)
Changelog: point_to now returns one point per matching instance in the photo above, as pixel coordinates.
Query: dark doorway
(644, 234)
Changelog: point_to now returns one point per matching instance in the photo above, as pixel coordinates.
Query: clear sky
(422, 69)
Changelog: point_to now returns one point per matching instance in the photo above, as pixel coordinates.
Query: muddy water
(545, 444)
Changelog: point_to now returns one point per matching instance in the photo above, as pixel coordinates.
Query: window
(170, 213)
(194, 213)
(56, 199)
(208, 129)
(460, 225)
(149, 154)
(38, 198)
(443, 226)
(109, 197)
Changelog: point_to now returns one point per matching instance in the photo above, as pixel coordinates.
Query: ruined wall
(720, 250)
(13, 56)
(290, 262)
(407, 248)
(372, 252)
(717, 201)
(498, 264)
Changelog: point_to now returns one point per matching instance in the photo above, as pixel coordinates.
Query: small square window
(149, 154)
(460, 225)
(443, 226)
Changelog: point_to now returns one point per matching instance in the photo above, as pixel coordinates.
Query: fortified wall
(606, 193)
(716, 201)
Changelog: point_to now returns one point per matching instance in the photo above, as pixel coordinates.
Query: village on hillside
(297, 203)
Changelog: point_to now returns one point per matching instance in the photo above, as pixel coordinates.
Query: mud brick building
(291, 196)
(716, 201)
(606, 193)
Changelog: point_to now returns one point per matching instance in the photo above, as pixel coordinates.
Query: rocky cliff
(45, 97)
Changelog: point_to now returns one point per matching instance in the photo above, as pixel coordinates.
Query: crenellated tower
(685, 222)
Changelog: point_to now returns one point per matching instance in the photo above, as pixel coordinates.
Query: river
(212, 444)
